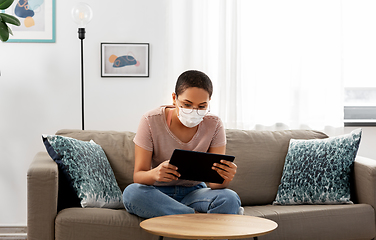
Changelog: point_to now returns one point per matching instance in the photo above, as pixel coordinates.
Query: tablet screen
(197, 166)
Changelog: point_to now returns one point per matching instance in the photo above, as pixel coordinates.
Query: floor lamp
(82, 15)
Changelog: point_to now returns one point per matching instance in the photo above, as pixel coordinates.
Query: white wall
(40, 88)
(367, 147)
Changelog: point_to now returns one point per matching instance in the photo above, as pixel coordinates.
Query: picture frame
(37, 19)
(124, 59)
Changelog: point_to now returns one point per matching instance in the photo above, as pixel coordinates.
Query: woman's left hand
(225, 169)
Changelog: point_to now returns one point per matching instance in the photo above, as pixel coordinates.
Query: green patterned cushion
(317, 171)
(87, 169)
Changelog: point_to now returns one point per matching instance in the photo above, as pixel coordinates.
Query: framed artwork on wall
(125, 59)
(37, 19)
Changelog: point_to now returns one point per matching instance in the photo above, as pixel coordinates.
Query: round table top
(208, 226)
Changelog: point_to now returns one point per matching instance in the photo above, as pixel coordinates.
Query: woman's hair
(193, 78)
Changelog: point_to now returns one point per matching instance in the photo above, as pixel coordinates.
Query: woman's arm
(226, 169)
(142, 174)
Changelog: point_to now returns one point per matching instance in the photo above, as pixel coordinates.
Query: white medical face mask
(193, 118)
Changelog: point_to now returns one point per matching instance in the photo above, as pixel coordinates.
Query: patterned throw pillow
(87, 169)
(317, 171)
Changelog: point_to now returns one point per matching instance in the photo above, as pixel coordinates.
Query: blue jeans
(152, 201)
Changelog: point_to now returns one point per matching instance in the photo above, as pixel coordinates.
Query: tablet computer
(197, 166)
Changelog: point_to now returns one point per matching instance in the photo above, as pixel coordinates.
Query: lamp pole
(82, 15)
(81, 36)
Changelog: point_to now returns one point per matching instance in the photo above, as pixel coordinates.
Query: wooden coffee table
(208, 226)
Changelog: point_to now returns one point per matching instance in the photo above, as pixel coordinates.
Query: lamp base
(81, 33)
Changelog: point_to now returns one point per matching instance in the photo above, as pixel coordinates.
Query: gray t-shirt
(154, 135)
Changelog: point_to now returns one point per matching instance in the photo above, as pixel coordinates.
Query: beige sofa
(260, 158)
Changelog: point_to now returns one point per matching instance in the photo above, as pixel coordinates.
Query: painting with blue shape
(27, 9)
(122, 61)
(23, 10)
(37, 18)
(125, 60)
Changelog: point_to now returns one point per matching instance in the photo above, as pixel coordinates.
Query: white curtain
(274, 64)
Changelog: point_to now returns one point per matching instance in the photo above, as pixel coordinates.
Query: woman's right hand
(165, 172)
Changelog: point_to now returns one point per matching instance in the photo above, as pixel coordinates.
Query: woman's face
(193, 97)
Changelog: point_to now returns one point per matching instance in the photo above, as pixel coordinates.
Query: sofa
(260, 155)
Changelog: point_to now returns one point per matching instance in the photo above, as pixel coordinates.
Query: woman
(157, 189)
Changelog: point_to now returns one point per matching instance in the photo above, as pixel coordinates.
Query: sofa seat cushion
(347, 221)
(98, 223)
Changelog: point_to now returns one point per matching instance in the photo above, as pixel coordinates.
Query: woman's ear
(174, 98)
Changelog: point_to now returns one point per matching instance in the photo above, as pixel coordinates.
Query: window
(359, 62)
(360, 107)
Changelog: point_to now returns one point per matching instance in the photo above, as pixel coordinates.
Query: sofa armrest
(365, 180)
(42, 197)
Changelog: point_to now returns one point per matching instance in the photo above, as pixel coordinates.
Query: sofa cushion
(260, 156)
(86, 168)
(119, 149)
(318, 171)
(345, 221)
(99, 223)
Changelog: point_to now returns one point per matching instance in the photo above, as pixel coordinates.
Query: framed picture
(124, 59)
(37, 19)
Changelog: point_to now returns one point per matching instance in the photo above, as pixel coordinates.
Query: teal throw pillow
(317, 171)
(87, 169)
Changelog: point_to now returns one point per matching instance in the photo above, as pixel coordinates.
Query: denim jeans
(152, 201)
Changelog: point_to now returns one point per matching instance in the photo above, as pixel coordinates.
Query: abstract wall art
(37, 19)
(125, 59)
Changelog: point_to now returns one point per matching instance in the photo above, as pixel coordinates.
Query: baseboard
(13, 233)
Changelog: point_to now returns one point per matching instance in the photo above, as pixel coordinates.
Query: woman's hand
(165, 172)
(225, 169)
